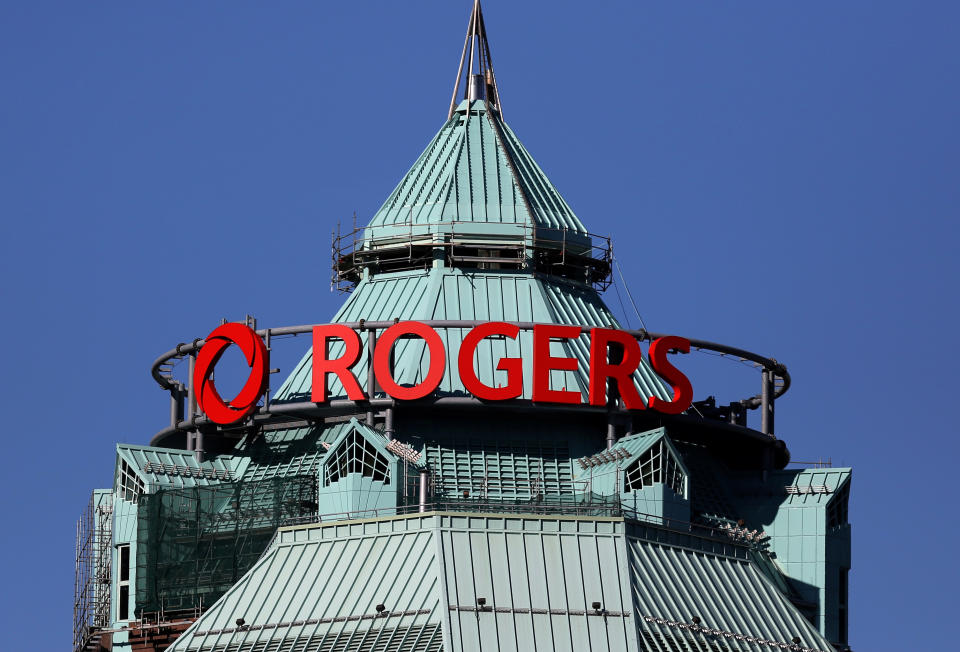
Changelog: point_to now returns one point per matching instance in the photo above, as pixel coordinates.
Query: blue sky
(781, 176)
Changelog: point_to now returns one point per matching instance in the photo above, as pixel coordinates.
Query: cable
(627, 289)
(623, 309)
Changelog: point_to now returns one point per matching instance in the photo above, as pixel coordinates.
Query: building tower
(466, 486)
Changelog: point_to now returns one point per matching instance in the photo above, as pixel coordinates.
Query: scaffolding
(194, 543)
(91, 589)
(581, 256)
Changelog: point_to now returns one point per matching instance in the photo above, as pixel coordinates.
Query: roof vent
(475, 88)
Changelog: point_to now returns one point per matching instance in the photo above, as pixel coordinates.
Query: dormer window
(357, 455)
(130, 485)
(656, 465)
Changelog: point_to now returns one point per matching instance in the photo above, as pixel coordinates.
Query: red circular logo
(216, 409)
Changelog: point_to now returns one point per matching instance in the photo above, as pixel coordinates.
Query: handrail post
(371, 378)
(176, 404)
(766, 402)
(424, 476)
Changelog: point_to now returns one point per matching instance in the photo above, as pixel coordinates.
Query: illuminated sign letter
(622, 372)
(544, 363)
(381, 360)
(682, 390)
(513, 366)
(216, 409)
(339, 366)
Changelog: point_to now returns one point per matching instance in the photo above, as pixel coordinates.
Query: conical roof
(475, 171)
(474, 190)
(454, 294)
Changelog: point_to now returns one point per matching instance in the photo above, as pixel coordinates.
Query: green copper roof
(737, 606)
(285, 453)
(475, 170)
(318, 587)
(445, 293)
(624, 453)
(171, 467)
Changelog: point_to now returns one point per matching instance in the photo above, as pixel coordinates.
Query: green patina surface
(539, 578)
(474, 172)
(447, 293)
(197, 530)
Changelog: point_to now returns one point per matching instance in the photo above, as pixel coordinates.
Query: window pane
(124, 563)
(123, 611)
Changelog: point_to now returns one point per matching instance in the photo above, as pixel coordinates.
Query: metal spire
(481, 83)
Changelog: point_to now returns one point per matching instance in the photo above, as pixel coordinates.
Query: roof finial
(481, 82)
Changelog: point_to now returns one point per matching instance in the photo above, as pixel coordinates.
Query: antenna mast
(481, 82)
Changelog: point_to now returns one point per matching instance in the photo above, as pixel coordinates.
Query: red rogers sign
(218, 410)
(601, 367)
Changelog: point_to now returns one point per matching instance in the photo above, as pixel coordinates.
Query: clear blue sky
(777, 175)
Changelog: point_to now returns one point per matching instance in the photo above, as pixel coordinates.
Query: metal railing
(576, 255)
(775, 381)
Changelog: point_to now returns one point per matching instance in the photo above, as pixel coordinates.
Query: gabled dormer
(646, 470)
(365, 474)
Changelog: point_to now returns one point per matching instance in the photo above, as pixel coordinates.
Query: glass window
(655, 466)
(124, 563)
(357, 455)
(130, 485)
(837, 509)
(123, 582)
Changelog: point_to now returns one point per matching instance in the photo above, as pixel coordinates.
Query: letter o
(215, 344)
(381, 360)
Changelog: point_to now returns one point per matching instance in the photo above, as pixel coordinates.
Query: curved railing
(775, 380)
(576, 255)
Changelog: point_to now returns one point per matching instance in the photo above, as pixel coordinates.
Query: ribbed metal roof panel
(475, 170)
(170, 467)
(384, 297)
(286, 453)
(455, 294)
(624, 453)
(673, 585)
(540, 578)
(811, 486)
(317, 588)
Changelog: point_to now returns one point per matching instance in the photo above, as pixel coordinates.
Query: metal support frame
(424, 481)
(770, 390)
(578, 256)
(371, 377)
(611, 431)
(478, 46)
(389, 429)
(767, 395)
(94, 561)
